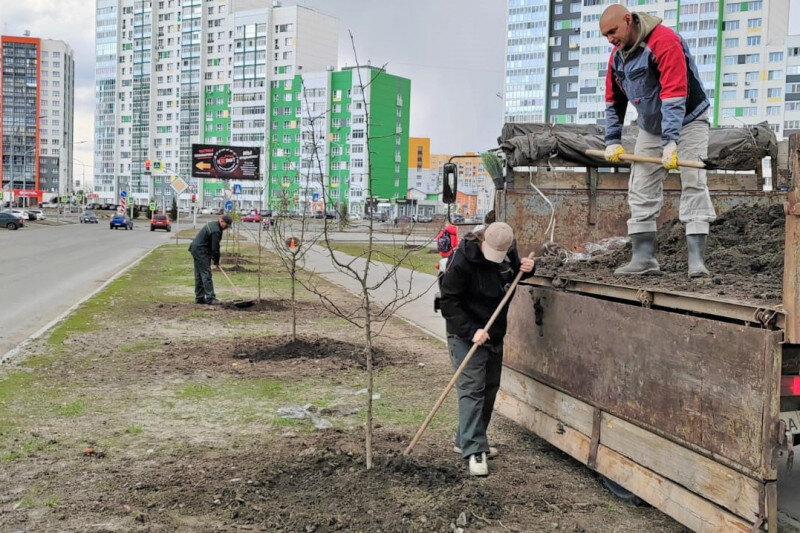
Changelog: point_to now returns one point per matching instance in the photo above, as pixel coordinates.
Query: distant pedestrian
(205, 250)
(447, 240)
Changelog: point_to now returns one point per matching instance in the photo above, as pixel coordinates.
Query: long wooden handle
(235, 290)
(463, 365)
(646, 159)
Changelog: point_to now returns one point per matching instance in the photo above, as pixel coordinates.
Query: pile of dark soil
(283, 348)
(319, 483)
(745, 257)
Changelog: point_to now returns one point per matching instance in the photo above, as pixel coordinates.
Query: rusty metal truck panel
(702, 382)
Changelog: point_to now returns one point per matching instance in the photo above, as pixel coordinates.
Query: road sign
(179, 185)
(65, 199)
(315, 197)
(153, 206)
(237, 188)
(123, 194)
(228, 206)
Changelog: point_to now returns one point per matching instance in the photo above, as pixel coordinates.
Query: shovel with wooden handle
(242, 303)
(646, 159)
(463, 364)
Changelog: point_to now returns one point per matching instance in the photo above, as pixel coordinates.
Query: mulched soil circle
(283, 348)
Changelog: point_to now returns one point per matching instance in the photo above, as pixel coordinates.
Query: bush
(173, 211)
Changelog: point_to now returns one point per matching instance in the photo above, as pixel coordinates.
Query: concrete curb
(44, 329)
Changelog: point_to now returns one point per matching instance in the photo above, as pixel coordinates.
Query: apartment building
(424, 184)
(172, 73)
(556, 58)
(791, 118)
(320, 123)
(37, 109)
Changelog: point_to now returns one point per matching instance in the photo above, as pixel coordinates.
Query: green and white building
(318, 130)
(170, 73)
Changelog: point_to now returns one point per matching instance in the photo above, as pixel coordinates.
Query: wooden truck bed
(675, 396)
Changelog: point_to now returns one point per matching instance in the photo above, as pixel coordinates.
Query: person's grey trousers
(477, 388)
(645, 186)
(203, 283)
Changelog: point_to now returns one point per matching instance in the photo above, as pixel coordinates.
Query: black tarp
(566, 144)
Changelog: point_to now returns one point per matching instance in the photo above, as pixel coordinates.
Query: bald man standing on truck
(651, 67)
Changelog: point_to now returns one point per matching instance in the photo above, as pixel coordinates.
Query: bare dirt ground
(146, 413)
(744, 255)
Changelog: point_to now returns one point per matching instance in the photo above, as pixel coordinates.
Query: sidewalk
(418, 312)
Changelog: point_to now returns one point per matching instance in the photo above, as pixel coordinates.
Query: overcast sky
(452, 50)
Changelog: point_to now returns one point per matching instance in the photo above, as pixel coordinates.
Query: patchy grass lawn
(422, 258)
(145, 411)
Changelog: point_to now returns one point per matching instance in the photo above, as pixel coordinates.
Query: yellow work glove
(669, 157)
(613, 151)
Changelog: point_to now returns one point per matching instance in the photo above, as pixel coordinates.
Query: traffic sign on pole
(237, 188)
(123, 194)
(228, 206)
(153, 206)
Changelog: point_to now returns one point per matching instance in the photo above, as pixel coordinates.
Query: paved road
(47, 269)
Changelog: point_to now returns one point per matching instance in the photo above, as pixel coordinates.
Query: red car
(160, 222)
(252, 217)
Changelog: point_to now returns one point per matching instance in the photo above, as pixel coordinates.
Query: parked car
(403, 219)
(88, 217)
(252, 217)
(160, 222)
(120, 220)
(39, 214)
(423, 218)
(354, 216)
(206, 211)
(325, 214)
(24, 214)
(457, 219)
(10, 220)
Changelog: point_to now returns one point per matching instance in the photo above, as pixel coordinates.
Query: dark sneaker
(213, 301)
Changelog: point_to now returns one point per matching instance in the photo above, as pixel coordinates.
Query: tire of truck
(622, 493)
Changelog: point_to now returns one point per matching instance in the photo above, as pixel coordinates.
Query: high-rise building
(36, 106)
(172, 73)
(791, 118)
(319, 126)
(557, 59)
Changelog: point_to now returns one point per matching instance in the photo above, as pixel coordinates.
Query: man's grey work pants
(477, 388)
(203, 284)
(645, 187)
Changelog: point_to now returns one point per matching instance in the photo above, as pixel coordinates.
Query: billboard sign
(225, 162)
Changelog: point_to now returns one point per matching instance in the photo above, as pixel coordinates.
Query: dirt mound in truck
(744, 255)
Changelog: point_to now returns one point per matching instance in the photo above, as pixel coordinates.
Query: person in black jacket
(477, 278)
(205, 250)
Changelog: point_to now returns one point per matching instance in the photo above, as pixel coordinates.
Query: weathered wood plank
(699, 382)
(559, 435)
(681, 504)
(791, 263)
(718, 483)
(563, 407)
